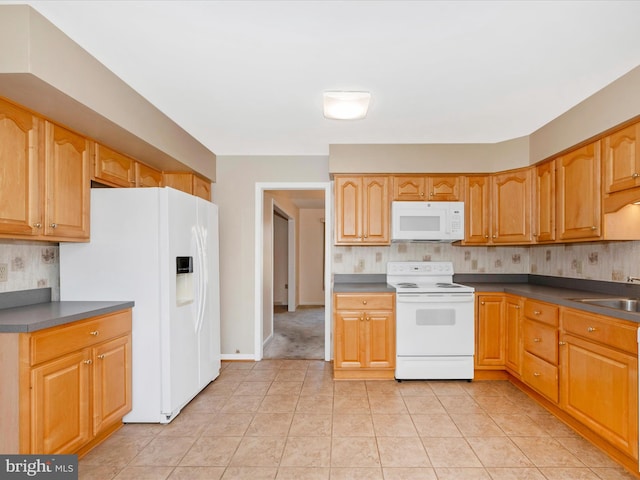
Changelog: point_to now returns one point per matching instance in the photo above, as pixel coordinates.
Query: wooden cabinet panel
(364, 335)
(511, 207)
(147, 176)
(600, 389)
(544, 228)
(621, 159)
(578, 194)
(476, 213)
(605, 330)
(111, 383)
(541, 312)
(513, 320)
(362, 210)
(60, 404)
(189, 183)
(202, 187)
(67, 161)
(20, 188)
(540, 375)
(541, 340)
(490, 331)
(429, 187)
(113, 168)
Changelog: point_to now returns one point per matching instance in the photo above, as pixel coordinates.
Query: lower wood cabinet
(364, 335)
(599, 376)
(490, 332)
(71, 385)
(513, 320)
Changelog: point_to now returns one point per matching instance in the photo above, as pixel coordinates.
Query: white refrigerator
(159, 248)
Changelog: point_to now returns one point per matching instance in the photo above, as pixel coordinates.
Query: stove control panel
(420, 268)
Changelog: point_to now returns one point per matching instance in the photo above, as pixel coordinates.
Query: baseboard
(237, 356)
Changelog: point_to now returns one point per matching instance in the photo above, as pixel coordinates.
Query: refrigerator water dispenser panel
(184, 280)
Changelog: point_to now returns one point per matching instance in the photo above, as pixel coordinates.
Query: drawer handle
(87, 362)
(95, 333)
(537, 312)
(101, 356)
(536, 374)
(591, 329)
(364, 302)
(537, 340)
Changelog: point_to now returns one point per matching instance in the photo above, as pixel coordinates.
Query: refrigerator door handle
(201, 258)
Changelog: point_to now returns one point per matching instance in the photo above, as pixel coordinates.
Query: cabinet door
(375, 210)
(182, 181)
(490, 331)
(60, 404)
(147, 176)
(67, 161)
(599, 387)
(20, 190)
(476, 213)
(444, 188)
(113, 168)
(409, 187)
(201, 187)
(111, 382)
(544, 228)
(511, 207)
(349, 339)
(348, 195)
(380, 340)
(578, 194)
(621, 159)
(513, 318)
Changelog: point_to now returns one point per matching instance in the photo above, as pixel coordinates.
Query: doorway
(264, 288)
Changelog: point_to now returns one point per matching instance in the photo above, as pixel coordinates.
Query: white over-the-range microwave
(427, 221)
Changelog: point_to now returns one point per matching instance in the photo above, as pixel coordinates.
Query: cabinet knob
(422, 194)
(368, 318)
(518, 307)
(493, 236)
(481, 303)
(37, 225)
(94, 333)
(486, 236)
(87, 362)
(593, 227)
(562, 343)
(591, 329)
(537, 312)
(362, 319)
(536, 374)
(635, 175)
(364, 302)
(53, 225)
(101, 356)
(537, 340)
(431, 194)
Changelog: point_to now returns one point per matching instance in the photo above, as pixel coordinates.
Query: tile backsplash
(30, 265)
(606, 261)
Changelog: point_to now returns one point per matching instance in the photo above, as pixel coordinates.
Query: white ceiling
(246, 77)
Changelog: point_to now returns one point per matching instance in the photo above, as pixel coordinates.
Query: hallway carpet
(297, 335)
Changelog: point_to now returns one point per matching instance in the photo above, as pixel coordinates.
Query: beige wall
(234, 193)
(311, 248)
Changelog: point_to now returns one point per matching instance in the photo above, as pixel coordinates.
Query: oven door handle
(436, 298)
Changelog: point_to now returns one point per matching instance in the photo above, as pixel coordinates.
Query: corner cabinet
(364, 335)
(362, 210)
(72, 385)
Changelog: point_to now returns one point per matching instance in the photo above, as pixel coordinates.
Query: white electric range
(434, 321)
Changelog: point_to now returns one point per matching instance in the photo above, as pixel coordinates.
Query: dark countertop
(559, 291)
(30, 318)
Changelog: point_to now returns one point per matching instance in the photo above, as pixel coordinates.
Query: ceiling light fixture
(346, 105)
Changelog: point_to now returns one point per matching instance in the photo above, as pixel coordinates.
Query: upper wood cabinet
(362, 210)
(578, 182)
(429, 188)
(498, 208)
(188, 182)
(544, 217)
(621, 159)
(21, 200)
(67, 186)
(113, 168)
(146, 176)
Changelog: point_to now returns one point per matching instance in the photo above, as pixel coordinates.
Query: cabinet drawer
(541, 340)
(56, 341)
(608, 331)
(371, 301)
(541, 312)
(540, 375)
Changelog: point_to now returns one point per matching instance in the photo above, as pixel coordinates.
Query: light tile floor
(289, 420)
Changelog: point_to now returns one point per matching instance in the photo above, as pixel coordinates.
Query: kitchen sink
(626, 304)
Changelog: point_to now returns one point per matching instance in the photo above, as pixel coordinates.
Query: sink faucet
(633, 279)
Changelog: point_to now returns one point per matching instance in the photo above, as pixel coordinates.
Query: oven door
(434, 324)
